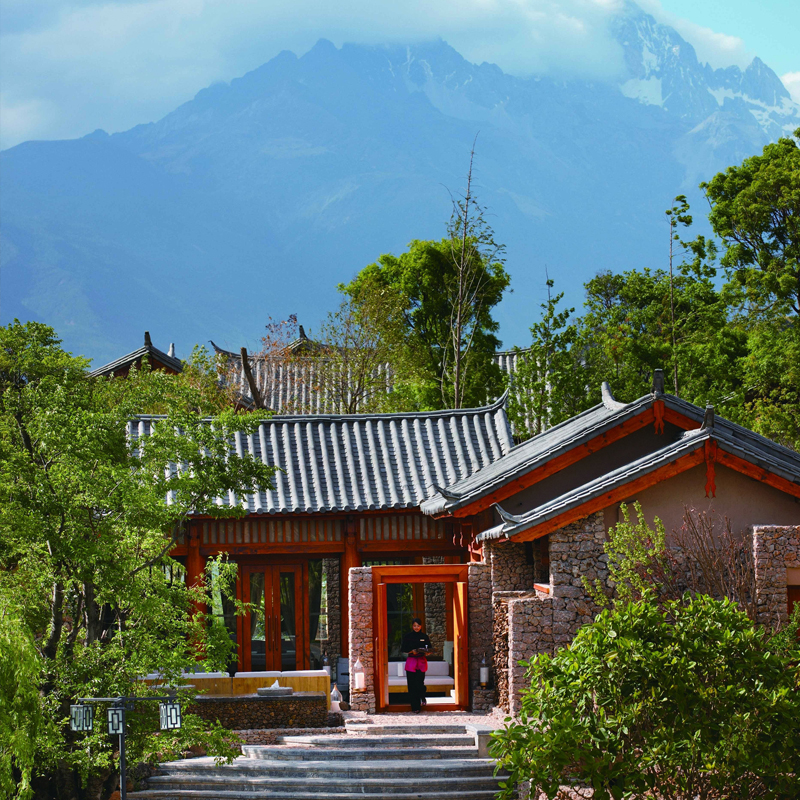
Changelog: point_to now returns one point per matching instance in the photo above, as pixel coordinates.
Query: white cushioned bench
(437, 678)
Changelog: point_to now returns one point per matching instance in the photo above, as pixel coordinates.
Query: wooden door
(274, 635)
(461, 644)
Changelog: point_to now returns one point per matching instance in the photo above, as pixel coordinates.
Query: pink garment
(416, 664)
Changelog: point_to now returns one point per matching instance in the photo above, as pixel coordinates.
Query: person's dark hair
(417, 620)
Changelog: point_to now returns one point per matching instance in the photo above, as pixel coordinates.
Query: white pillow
(401, 669)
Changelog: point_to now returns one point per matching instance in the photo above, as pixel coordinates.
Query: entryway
(273, 633)
(402, 592)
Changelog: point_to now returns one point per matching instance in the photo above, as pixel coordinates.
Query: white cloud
(791, 80)
(716, 48)
(112, 64)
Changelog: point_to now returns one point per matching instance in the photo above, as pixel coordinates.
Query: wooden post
(351, 558)
(195, 572)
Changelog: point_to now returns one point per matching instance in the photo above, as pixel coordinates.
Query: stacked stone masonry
(300, 710)
(775, 549)
(479, 610)
(435, 609)
(333, 644)
(361, 637)
(526, 622)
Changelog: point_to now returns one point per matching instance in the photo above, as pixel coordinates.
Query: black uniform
(416, 680)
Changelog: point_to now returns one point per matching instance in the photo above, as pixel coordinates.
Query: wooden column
(195, 571)
(351, 558)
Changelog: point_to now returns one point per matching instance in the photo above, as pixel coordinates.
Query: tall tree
(755, 211)
(89, 597)
(472, 248)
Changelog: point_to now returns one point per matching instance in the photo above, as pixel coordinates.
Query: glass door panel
(288, 612)
(276, 638)
(258, 632)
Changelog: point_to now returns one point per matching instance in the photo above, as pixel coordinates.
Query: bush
(686, 700)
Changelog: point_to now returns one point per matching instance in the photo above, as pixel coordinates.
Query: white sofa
(437, 678)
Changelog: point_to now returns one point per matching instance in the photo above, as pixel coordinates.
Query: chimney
(658, 381)
(147, 342)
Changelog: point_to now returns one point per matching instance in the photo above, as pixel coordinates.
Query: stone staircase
(381, 762)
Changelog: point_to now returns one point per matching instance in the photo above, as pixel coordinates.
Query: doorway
(415, 583)
(273, 632)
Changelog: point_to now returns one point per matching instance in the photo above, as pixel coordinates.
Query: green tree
(689, 700)
(447, 291)
(90, 599)
(628, 332)
(755, 211)
(550, 382)
(425, 276)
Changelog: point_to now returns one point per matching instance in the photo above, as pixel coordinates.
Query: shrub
(684, 700)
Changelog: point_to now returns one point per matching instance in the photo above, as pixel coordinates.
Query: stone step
(216, 794)
(372, 729)
(279, 753)
(433, 784)
(340, 769)
(408, 740)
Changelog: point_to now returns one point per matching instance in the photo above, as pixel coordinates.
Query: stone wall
(510, 568)
(300, 710)
(526, 622)
(530, 627)
(361, 637)
(775, 548)
(576, 551)
(333, 645)
(435, 609)
(479, 600)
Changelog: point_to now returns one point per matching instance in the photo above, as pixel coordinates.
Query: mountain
(257, 197)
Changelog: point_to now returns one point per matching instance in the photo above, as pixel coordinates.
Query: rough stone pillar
(333, 645)
(576, 551)
(362, 644)
(480, 632)
(510, 568)
(775, 548)
(530, 632)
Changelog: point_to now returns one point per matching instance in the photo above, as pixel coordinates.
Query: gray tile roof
(299, 384)
(364, 462)
(729, 437)
(580, 429)
(152, 353)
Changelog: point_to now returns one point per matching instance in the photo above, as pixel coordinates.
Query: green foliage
(685, 701)
(425, 277)
(549, 383)
(755, 210)
(638, 562)
(85, 534)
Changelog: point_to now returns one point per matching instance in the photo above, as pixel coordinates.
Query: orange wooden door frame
(449, 574)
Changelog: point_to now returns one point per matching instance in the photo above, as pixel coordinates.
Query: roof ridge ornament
(147, 340)
(448, 495)
(658, 381)
(608, 399)
(506, 516)
(708, 418)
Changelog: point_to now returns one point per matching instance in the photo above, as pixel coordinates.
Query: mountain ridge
(258, 196)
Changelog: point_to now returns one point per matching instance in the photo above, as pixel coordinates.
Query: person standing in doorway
(418, 646)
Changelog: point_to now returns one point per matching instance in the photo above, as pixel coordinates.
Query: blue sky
(68, 67)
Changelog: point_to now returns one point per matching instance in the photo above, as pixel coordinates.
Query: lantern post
(81, 718)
